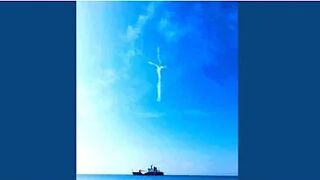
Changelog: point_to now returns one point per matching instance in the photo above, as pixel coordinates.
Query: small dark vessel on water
(152, 171)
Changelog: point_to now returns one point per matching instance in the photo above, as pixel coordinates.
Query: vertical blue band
(279, 97)
(37, 90)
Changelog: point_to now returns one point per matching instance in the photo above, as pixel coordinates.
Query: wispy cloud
(159, 67)
(171, 30)
(134, 31)
(132, 34)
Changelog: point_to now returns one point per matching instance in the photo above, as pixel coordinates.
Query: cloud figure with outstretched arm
(159, 67)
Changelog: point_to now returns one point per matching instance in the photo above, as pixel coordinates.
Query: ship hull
(137, 173)
(148, 174)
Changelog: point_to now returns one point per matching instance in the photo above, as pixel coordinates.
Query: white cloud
(132, 34)
(134, 31)
(171, 31)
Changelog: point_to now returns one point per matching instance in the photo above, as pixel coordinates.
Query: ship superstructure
(152, 171)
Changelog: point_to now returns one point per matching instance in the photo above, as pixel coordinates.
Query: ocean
(166, 177)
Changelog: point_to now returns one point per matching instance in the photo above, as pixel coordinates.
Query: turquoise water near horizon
(166, 177)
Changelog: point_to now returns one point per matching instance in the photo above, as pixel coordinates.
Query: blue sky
(120, 125)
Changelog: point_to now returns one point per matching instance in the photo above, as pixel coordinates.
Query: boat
(152, 171)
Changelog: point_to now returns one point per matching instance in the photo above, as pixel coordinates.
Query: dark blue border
(279, 90)
(37, 90)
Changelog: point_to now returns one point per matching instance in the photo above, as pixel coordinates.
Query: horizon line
(165, 174)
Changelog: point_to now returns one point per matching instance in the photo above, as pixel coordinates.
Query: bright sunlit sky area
(121, 126)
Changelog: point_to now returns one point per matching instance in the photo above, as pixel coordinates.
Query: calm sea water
(168, 177)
